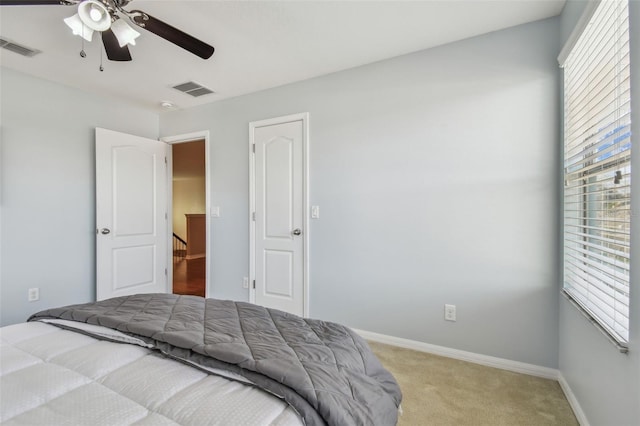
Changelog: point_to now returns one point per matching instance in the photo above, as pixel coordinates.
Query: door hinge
(165, 160)
(254, 148)
(253, 216)
(165, 271)
(254, 284)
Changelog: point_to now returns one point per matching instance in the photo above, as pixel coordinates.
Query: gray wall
(436, 174)
(606, 382)
(48, 197)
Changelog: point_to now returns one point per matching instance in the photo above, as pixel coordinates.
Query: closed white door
(131, 208)
(279, 224)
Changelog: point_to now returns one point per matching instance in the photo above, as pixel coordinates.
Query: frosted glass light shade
(78, 27)
(94, 15)
(124, 33)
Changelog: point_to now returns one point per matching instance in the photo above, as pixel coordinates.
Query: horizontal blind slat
(598, 280)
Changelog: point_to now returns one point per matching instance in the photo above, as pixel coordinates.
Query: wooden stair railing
(179, 247)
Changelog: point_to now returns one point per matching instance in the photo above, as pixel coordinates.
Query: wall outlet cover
(450, 312)
(33, 294)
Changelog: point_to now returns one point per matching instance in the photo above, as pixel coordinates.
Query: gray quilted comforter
(324, 370)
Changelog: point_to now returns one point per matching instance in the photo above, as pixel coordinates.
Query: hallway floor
(189, 276)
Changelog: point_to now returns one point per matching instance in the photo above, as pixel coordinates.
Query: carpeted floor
(443, 391)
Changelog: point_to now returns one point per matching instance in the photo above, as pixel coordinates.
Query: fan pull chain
(82, 52)
(101, 67)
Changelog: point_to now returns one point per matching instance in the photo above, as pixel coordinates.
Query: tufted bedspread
(325, 371)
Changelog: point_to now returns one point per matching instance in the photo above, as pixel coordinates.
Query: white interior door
(280, 234)
(131, 208)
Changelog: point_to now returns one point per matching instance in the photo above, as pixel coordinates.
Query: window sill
(619, 345)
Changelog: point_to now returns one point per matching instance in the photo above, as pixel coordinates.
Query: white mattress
(50, 376)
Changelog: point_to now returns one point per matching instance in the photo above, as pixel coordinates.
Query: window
(597, 170)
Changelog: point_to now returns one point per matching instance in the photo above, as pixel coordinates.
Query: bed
(161, 359)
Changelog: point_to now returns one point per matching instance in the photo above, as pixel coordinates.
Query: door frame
(176, 139)
(304, 116)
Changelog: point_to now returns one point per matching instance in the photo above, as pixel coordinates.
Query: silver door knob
(297, 231)
(105, 231)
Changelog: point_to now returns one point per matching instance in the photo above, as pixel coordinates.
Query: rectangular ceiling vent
(17, 48)
(192, 88)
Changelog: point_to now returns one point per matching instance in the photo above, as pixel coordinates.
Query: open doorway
(189, 218)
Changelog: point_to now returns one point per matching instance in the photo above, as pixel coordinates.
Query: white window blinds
(597, 152)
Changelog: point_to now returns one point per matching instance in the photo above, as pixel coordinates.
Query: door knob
(297, 231)
(105, 231)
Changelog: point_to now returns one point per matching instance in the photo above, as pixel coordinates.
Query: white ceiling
(259, 44)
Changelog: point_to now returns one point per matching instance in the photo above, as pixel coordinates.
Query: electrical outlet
(450, 312)
(33, 294)
(245, 282)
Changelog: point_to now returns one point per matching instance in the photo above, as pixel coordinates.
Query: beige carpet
(442, 391)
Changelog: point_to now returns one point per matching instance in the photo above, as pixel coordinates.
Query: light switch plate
(215, 211)
(315, 212)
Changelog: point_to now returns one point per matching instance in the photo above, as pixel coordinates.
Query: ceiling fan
(104, 16)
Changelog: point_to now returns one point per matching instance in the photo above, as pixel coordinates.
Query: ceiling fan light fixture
(78, 27)
(94, 15)
(124, 33)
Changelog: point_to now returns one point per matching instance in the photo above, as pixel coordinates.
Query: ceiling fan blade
(172, 34)
(113, 49)
(36, 2)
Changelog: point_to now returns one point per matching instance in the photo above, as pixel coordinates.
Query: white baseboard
(573, 401)
(490, 361)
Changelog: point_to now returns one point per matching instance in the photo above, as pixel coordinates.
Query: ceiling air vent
(17, 48)
(192, 88)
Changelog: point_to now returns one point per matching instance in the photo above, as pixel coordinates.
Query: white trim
(252, 212)
(304, 116)
(573, 401)
(490, 361)
(305, 213)
(582, 23)
(188, 137)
